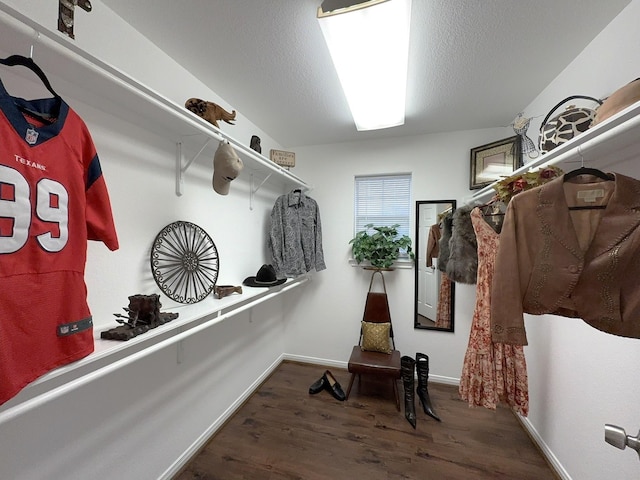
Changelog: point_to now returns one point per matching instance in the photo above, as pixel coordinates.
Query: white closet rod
(605, 133)
(54, 393)
(62, 45)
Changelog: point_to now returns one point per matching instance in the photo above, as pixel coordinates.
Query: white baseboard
(314, 360)
(444, 380)
(201, 441)
(544, 448)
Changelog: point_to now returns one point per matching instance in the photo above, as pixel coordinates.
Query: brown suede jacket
(560, 255)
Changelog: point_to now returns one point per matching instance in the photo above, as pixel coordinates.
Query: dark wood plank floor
(283, 433)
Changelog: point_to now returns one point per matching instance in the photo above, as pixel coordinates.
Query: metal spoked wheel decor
(184, 262)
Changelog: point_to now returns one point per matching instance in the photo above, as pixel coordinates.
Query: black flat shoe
(333, 387)
(318, 385)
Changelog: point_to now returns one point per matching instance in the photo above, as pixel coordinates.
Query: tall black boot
(422, 367)
(407, 365)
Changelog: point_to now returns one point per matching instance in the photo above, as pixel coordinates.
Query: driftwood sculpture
(143, 314)
(210, 111)
(222, 291)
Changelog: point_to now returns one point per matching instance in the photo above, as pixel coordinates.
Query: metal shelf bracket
(181, 167)
(253, 190)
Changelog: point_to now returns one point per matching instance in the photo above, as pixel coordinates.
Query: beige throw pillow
(375, 337)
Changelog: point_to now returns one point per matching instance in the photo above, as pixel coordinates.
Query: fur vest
(443, 243)
(462, 266)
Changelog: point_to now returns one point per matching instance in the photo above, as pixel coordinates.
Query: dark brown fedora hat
(266, 277)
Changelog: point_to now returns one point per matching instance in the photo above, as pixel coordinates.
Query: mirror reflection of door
(428, 277)
(429, 314)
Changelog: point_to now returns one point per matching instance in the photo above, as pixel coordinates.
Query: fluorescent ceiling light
(369, 45)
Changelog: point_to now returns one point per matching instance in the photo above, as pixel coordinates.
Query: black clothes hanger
(15, 60)
(588, 171)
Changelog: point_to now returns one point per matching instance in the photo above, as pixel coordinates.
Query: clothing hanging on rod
(433, 239)
(462, 264)
(59, 201)
(492, 372)
(443, 315)
(295, 237)
(571, 264)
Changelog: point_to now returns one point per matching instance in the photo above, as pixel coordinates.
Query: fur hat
(226, 167)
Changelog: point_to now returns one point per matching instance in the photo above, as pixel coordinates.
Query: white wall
(137, 422)
(325, 322)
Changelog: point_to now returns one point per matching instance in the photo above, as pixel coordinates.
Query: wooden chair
(378, 364)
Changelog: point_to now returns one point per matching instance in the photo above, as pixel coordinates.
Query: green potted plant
(381, 248)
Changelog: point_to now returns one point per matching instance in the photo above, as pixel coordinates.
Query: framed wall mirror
(434, 292)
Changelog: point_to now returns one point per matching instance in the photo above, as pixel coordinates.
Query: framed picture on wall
(493, 161)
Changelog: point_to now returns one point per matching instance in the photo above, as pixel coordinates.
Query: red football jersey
(52, 199)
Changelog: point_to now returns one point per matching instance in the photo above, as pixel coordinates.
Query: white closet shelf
(611, 142)
(104, 87)
(109, 89)
(112, 355)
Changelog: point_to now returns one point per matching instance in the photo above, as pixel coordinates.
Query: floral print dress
(492, 372)
(443, 315)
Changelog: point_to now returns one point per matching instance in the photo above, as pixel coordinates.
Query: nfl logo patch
(64, 329)
(31, 137)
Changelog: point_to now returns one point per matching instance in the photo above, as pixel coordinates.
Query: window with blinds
(383, 200)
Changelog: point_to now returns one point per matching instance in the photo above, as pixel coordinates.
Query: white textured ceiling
(473, 63)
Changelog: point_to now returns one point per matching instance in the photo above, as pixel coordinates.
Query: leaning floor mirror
(434, 292)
